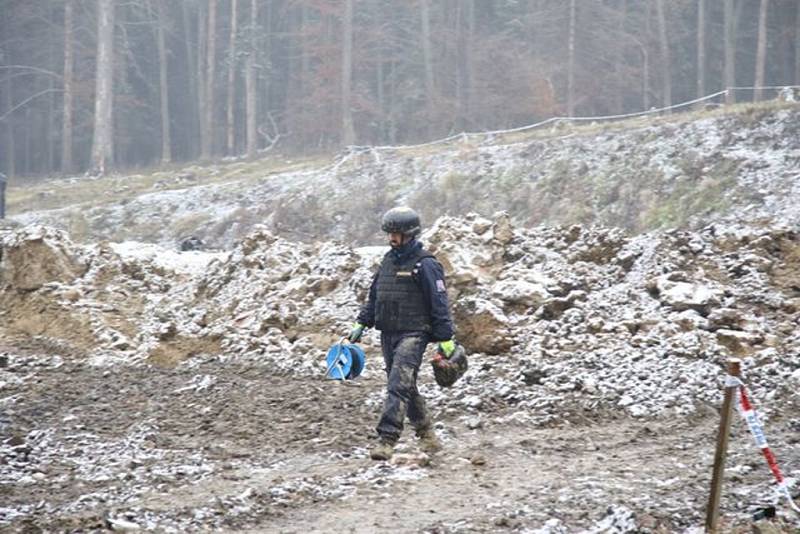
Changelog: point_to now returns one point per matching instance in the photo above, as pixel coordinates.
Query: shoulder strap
(421, 255)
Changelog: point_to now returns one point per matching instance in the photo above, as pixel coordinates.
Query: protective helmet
(402, 221)
(447, 371)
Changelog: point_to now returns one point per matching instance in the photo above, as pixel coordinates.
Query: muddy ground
(235, 447)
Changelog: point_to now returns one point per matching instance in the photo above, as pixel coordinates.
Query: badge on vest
(440, 286)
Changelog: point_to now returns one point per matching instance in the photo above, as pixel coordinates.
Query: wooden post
(712, 512)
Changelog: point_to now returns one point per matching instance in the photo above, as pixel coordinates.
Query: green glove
(447, 347)
(356, 333)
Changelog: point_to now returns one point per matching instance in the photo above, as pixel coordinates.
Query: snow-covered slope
(744, 164)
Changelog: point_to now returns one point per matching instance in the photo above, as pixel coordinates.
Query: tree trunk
(427, 56)
(666, 76)
(103, 142)
(348, 131)
(571, 61)
(645, 78)
(465, 18)
(265, 56)
(729, 68)
(27, 143)
(207, 137)
(797, 48)
(69, 62)
(230, 123)
(761, 52)
(251, 85)
(193, 110)
(10, 167)
(469, 62)
(701, 48)
(378, 21)
(50, 125)
(619, 104)
(166, 140)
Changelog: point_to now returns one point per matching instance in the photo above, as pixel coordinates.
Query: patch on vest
(440, 286)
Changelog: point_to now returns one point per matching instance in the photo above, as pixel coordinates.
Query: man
(408, 304)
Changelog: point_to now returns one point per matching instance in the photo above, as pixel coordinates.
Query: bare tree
(619, 59)
(729, 68)
(69, 62)
(348, 131)
(701, 48)
(571, 61)
(761, 51)
(250, 84)
(207, 129)
(163, 64)
(427, 56)
(103, 141)
(666, 75)
(797, 48)
(230, 123)
(9, 120)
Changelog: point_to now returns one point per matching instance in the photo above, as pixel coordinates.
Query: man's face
(396, 239)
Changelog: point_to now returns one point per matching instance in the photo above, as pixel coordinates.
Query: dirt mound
(38, 255)
(549, 301)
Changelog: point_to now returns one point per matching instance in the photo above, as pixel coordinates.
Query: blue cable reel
(345, 361)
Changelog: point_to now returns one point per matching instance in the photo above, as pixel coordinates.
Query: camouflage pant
(402, 354)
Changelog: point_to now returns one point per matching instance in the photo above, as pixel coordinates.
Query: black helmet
(447, 370)
(402, 221)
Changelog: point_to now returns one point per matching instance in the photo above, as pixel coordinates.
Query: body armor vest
(400, 304)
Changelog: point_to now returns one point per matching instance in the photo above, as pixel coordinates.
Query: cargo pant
(402, 355)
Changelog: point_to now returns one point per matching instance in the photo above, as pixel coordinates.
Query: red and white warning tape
(748, 412)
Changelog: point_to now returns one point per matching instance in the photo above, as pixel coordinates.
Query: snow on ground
(565, 326)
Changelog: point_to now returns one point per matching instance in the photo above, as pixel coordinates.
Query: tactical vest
(400, 304)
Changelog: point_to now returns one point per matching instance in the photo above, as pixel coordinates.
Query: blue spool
(345, 362)
(359, 361)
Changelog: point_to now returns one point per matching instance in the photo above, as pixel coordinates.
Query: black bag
(447, 371)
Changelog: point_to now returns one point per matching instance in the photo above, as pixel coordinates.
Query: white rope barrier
(355, 149)
(765, 87)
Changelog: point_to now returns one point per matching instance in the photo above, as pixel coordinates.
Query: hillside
(682, 171)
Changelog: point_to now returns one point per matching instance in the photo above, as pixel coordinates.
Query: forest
(101, 85)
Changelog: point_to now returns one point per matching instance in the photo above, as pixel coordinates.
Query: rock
(476, 422)
(766, 527)
(191, 243)
(477, 459)
(553, 308)
(684, 295)
(416, 459)
(72, 295)
(520, 292)
(482, 326)
(725, 318)
(689, 320)
(503, 229)
(122, 525)
(481, 226)
(796, 376)
(738, 342)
